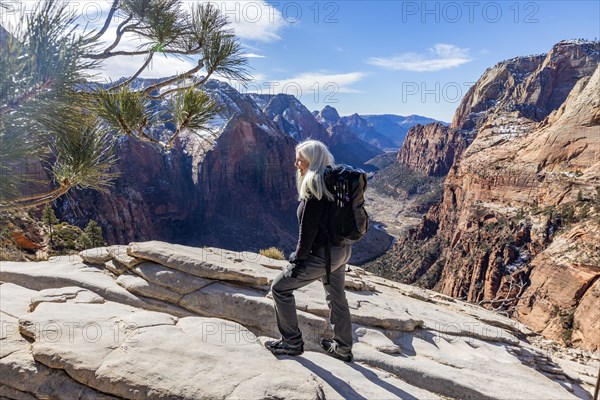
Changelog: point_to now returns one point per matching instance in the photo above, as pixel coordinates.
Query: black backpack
(347, 220)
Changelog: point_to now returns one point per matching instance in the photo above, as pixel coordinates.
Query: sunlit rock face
(518, 219)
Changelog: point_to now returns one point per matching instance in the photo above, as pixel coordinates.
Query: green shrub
(49, 218)
(548, 211)
(567, 318)
(67, 237)
(400, 181)
(93, 236)
(567, 213)
(272, 252)
(583, 212)
(6, 234)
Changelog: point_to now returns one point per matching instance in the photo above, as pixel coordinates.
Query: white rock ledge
(175, 322)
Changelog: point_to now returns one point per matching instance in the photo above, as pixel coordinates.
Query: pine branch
(146, 138)
(170, 91)
(124, 110)
(35, 201)
(38, 196)
(109, 54)
(192, 109)
(139, 71)
(124, 126)
(109, 18)
(177, 78)
(121, 29)
(104, 56)
(191, 51)
(31, 94)
(177, 132)
(179, 89)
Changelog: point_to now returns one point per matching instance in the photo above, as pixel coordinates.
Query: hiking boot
(281, 348)
(331, 347)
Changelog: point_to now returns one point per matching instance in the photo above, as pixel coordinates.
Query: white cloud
(440, 56)
(160, 67)
(309, 80)
(252, 19)
(252, 55)
(311, 84)
(258, 77)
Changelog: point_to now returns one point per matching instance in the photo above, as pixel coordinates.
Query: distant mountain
(345, 145)
(293, 118)
(328, 116)
(432, 149)
(395, 127)
(365, 131)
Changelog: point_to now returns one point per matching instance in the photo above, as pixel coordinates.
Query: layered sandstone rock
(513, 93)
(510, 227)
(432, 148)
(75, 330)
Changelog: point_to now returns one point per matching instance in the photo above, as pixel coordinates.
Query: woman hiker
(307, 263)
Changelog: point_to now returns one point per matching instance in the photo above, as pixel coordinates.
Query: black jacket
(312, 227)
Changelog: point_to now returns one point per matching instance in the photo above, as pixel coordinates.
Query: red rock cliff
(518, 227)
(432, 148)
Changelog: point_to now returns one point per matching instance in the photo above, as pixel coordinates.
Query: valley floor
(390, 217)
(394, 215)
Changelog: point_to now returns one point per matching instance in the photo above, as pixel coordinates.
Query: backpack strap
(329, 241)
(327, 261)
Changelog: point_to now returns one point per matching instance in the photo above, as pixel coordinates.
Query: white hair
(312, 183)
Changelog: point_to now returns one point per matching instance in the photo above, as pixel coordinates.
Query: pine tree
(50, 111)
(49, 218)
(92, 235)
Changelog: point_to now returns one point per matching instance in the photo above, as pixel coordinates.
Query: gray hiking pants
(296, 276)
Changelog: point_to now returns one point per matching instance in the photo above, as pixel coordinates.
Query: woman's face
(301, 163)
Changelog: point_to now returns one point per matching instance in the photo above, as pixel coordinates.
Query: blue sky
(370, 57)
(406, 57)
